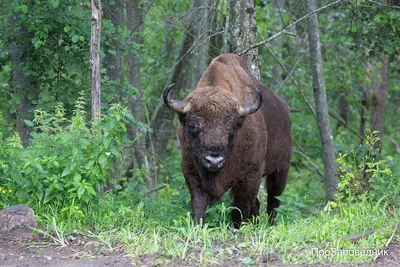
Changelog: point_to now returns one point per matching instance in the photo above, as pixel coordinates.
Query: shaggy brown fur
(254, 146)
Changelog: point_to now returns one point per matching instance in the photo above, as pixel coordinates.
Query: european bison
(233, 131)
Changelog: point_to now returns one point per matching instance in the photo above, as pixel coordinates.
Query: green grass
(140, 229)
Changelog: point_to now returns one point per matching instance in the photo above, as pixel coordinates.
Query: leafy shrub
(365, 174)
(69, 160)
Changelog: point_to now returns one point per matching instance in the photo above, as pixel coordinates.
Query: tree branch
(383, 4)
(300, 90)
(294, 82)
(156, 189)
(173, 72)
(304, 155)
(345, 124)
(276, 35)
(291, 73)
(394, 143)
(161, 162)
(205, 40)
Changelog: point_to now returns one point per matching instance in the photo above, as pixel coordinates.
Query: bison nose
(213, 162)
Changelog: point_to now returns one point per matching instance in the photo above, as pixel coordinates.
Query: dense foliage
(69, 161)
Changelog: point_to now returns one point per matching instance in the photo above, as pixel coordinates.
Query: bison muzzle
(233, 131)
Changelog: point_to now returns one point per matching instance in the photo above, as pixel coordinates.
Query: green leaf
(77, 178)
(81, 191)
(39, 194)
(81, 38)
(66, 28)
(74, 152)
(89, 165)
(56, 3)
(103, 161)
(118, 187)
(37, 44)
(48, 197)
(35, 179)
(106, 142)
(28, 122)
(26, 164)
(75, 38)
(38, 166)
(24, 8)
(66, 171)
(91, 190)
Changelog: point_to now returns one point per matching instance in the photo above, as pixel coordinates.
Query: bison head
(210, 120)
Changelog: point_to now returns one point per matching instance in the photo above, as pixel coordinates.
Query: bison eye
(193, 129)
(239, 123)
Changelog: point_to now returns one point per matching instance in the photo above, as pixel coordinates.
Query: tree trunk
(161, 120)
(321, 104)
(344, 110)
(24, 86)
(115, 12)
(344, 103)
(95, 59)
(243, 32)
(364, 103)
(201, 15)
(113, 62)
(128, 15)
(277, 43)
(216, 37)
(135, 20)
(378, 100)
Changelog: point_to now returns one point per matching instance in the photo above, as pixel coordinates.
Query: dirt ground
(18, 249)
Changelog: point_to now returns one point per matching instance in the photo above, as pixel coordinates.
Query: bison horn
(181, 107)
(251, 108)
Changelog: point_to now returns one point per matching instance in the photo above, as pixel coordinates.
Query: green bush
(366, 174)
(68, 161)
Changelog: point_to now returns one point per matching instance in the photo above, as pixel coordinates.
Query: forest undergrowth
(64, 173)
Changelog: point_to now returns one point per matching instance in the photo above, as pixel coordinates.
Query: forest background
(122, 172)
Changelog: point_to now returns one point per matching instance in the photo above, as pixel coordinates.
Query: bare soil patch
(19, 248)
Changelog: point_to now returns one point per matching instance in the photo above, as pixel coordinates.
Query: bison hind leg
(275, 184)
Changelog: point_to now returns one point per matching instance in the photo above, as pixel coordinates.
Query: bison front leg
(193, 181)
(199, 205)
(198, 197)
(247, 204)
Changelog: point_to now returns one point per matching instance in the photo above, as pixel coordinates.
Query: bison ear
(253, 107)
(181, 107)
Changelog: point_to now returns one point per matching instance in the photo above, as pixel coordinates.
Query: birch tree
(321, 105)
(243, 32)
(95, 59)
